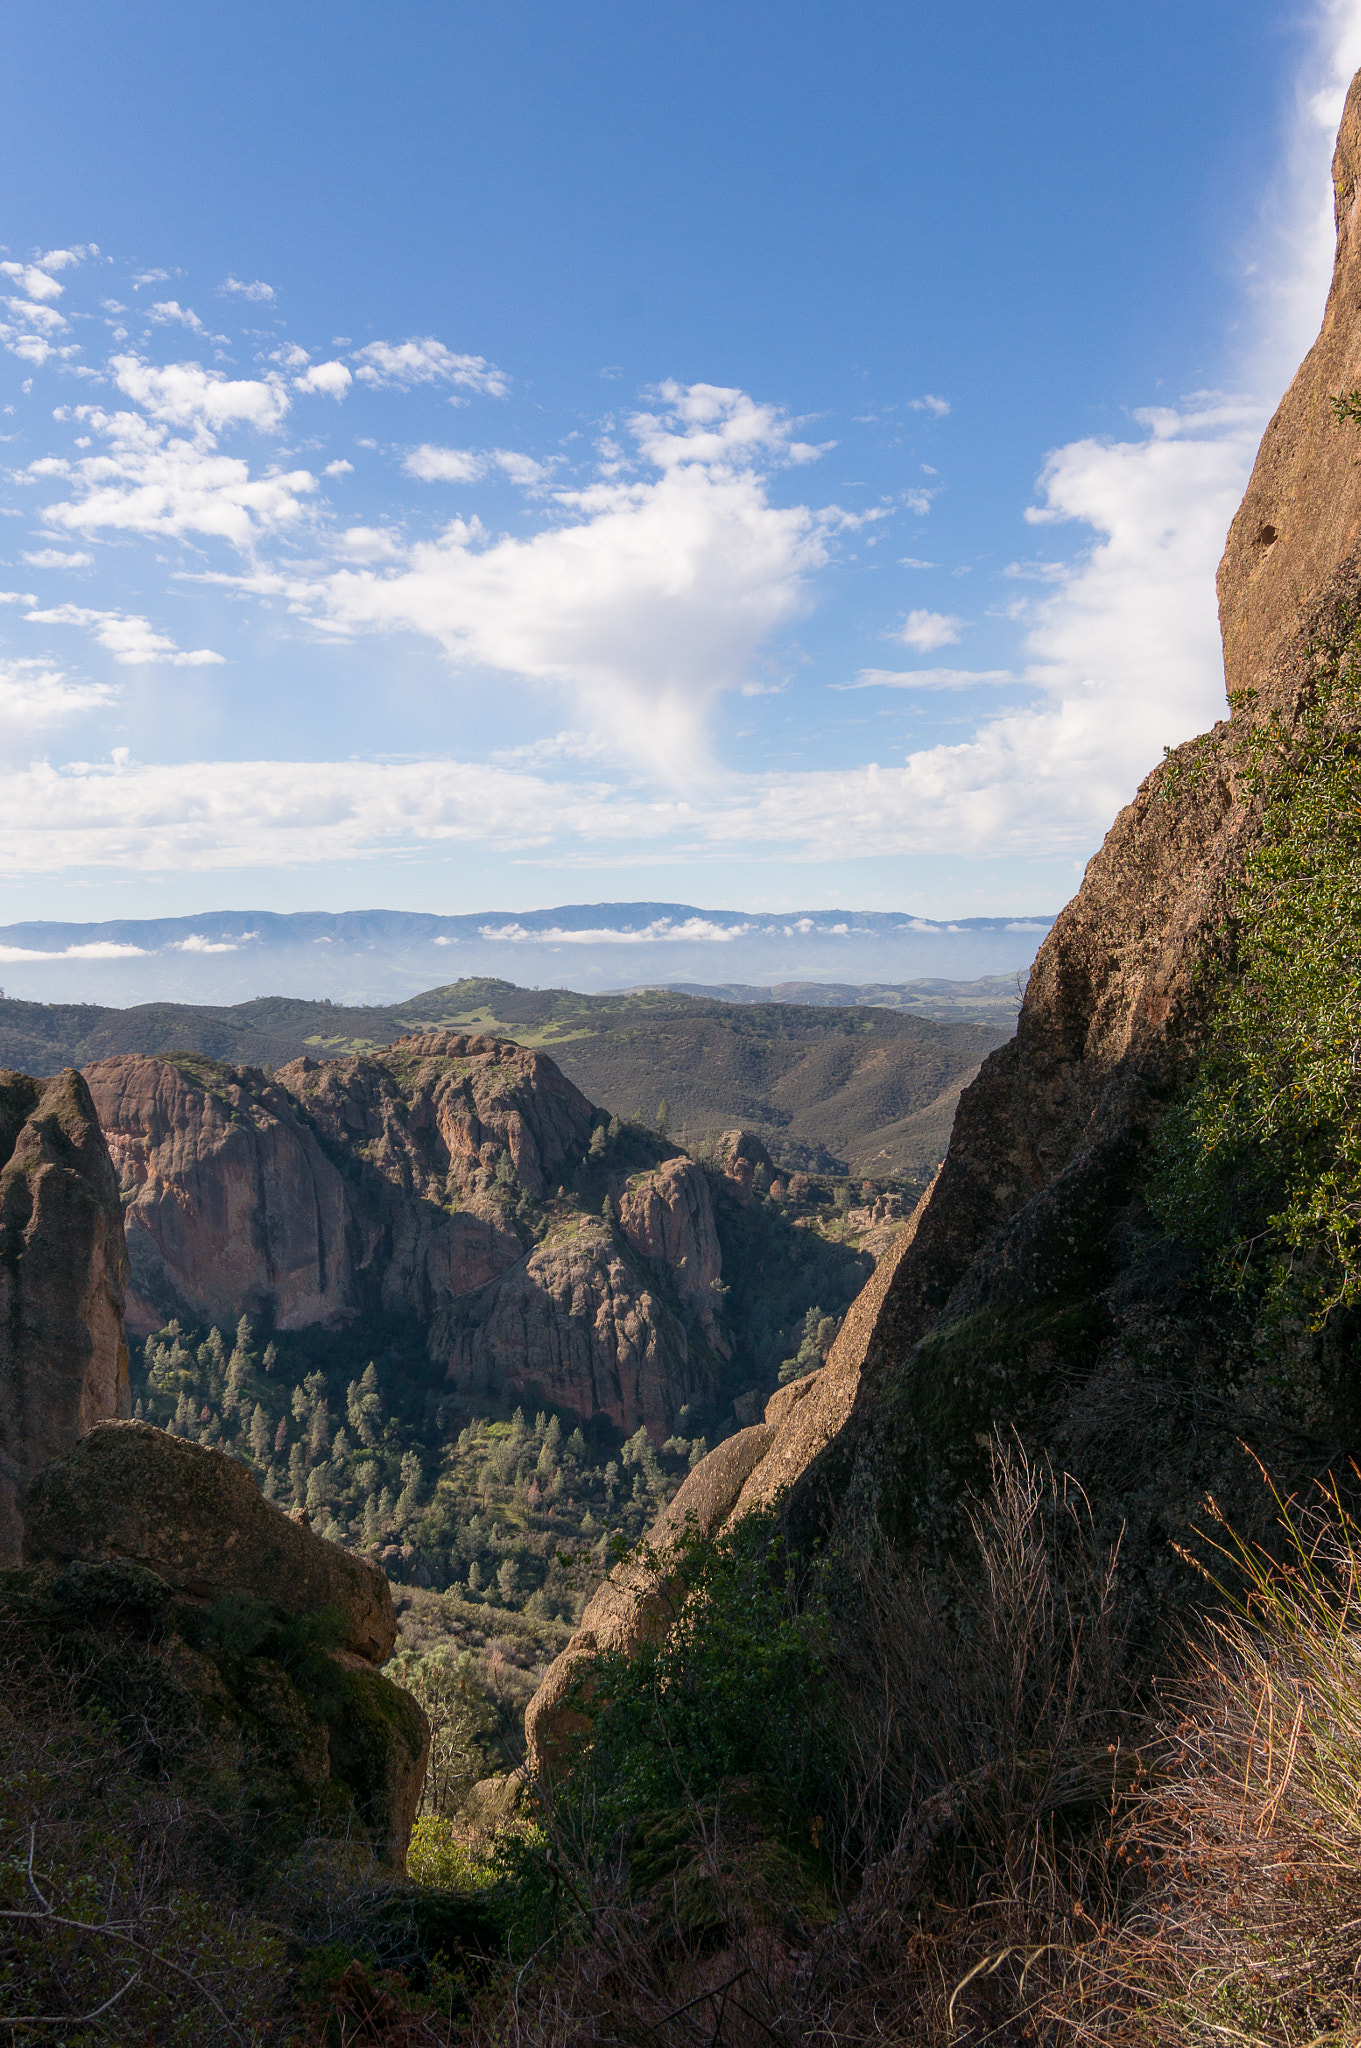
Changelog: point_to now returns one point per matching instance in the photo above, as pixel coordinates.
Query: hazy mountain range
(366, 956)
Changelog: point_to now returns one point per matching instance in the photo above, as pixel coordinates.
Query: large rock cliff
(423, 1181)
(1032, 1289)
(63, 1363)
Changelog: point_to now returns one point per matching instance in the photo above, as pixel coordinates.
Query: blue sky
(761, 455)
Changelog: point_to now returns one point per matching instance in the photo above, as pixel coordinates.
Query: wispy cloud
(132, 641)
(258, 291)
(427, 361)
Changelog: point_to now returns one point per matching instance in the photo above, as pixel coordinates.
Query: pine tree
(297, 1474)
(319, 1435)
(508, 1579)
(260, 1435)
(281, 1438)
(302, 1407)
(409, 1499)
(474, 1577)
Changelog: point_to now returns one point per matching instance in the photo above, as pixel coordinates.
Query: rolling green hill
(856, 1087)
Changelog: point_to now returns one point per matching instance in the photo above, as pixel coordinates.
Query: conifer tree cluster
(516, 1514)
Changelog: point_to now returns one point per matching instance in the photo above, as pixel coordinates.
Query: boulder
(63, 1262)
(196, 1518)
(738, 1154)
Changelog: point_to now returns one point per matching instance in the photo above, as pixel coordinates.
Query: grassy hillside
(856, 1087)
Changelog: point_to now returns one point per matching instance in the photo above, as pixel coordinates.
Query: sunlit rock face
(421, 1181)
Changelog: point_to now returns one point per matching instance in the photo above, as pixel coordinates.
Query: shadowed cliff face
(63, 1363)
(414, 1181)
(1032, 1289)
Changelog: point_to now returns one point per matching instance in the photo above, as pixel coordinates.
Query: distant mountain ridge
(367, 956)
(847, 1087)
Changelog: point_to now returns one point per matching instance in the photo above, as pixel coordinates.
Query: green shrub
(1258, 1166)
(736, 1686)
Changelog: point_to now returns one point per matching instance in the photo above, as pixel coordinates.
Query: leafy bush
(1258, 1166)
(737, 1683)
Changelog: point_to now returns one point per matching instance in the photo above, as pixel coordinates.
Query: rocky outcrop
(232, 1206)
(399, 1181)
(156, 1569)
(437, 1113)
(197, 1519)
(738, 1155)
(63, 1362)
(667, 1216)
(579, 1323)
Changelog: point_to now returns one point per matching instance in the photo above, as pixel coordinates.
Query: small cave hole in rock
(1266, 535)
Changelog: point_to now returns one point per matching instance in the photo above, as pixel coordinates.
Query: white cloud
(444, 465)
(367, 544)
(647, 599)
(56, 558)
(427, 361)
(45, 319)
(1289, 278)
(197, 943)
(661, 930)
(211, 815)
(928, 630)
(340, 468)
(716, 426)
(258, 290)
(522, 470)
(186, 395)
(928, 679)
(169, 311)
(928, 402)
(131, 640)
(151, 482)
(35, 698)
(141, 277)
(36, 283)
(99, 949)
(331, 378)
(434, 465)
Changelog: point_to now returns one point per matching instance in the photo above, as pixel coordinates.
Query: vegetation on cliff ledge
(1259, 1162)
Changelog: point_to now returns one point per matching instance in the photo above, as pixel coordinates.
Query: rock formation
(668, 1217)
(396, 1182)
(579, 1324)
(197, 1519)
(63, 1364)
(1030, 1288)
(157, 1570)
(232, 1206)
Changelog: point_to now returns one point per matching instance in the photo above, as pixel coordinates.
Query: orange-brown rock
(580, 1323)
(232, 1206)
(667, 1216)
(63, 1362)
(438, 1111)
(394, 1181)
